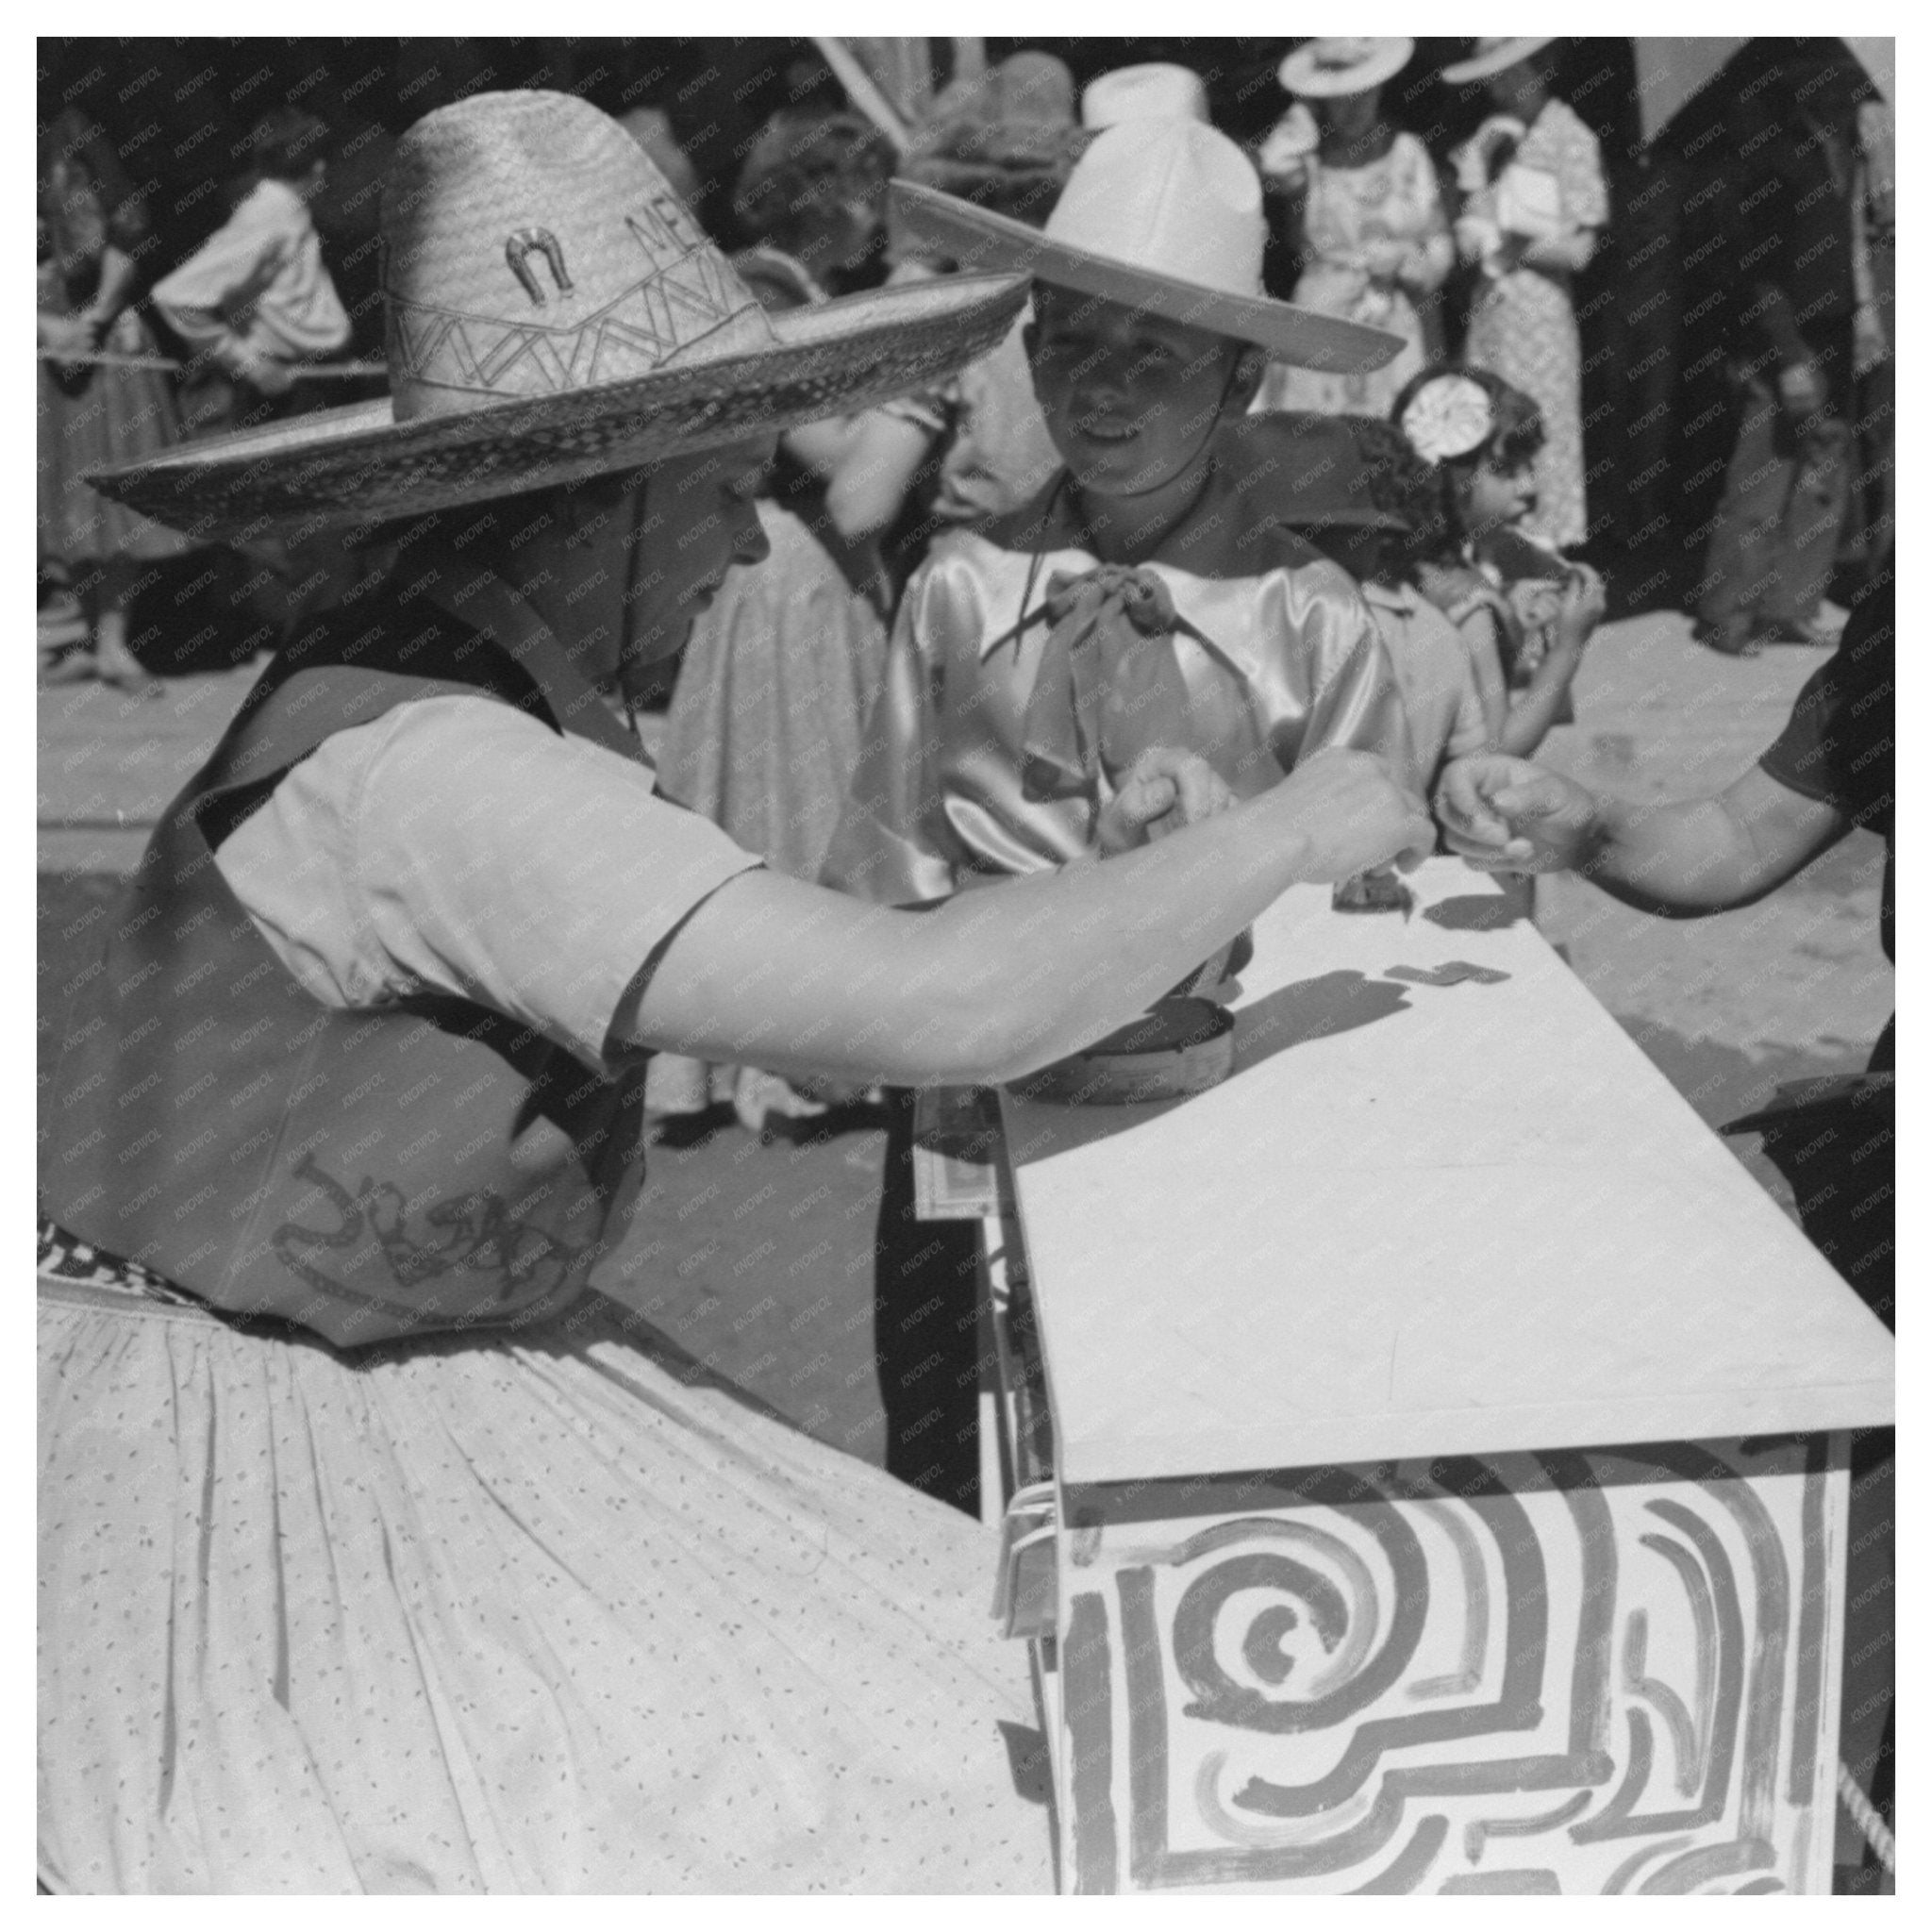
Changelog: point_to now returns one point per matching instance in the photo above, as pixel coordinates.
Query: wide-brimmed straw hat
(1491, 55)
(1152, 90)
(1336, 65)
(1158, 215)
(554, 313)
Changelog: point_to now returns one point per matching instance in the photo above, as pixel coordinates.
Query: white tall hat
(1161, 215)
(1155, 91)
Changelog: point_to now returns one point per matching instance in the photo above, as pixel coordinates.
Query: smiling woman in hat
(1366, 212)
(380, 1553)
(1142, 603)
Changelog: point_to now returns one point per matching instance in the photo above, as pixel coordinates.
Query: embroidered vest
(367, 1174)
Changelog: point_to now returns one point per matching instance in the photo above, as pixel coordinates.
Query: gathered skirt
(89, 419)
(556, 1611)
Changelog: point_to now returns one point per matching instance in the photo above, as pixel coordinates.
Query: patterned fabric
(1346, 212)
(555, 1614)
(65, 1257)
(1523, 328)
(90, 417)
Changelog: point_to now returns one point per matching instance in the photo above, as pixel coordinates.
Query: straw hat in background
(1324, 69)
(1491, 55)
(555, 313)
(1006, 139)
(1158, 215)
(1154, 90)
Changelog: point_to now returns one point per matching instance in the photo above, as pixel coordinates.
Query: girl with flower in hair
(1526, 612)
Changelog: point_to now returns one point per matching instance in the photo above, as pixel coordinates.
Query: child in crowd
(1143, 626)
(1526, 612)
(1358, 493)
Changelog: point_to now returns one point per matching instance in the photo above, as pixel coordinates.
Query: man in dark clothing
(1829, 771)
(1794, 344)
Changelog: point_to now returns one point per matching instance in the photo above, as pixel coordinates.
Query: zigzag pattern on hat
(646, 328)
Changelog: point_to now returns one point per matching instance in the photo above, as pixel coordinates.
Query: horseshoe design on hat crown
(516, 251)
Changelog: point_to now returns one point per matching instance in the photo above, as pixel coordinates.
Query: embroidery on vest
(479, 1239)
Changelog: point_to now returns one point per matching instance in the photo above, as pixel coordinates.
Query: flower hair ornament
(1447, 418)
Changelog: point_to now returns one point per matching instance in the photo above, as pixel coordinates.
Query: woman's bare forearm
(996, 982)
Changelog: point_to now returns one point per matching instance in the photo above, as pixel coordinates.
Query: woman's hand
(1505, 814)
(1164, 791)
(1352, 814)
(1385, 258)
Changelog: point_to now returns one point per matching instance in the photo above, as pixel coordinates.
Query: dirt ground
(756, 1255)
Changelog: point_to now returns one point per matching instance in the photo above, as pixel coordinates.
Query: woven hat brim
(1460, 71)
(986, 239)
(1299, 74)
(360, 465)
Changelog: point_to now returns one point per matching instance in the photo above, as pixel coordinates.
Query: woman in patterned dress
(1534, 199)
(1373, 239)
(91, 413)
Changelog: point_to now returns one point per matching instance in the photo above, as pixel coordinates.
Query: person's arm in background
(875, 473)
(820, 447)
(112, 293)
(994, 984)
(197, 299)
(1679, 860)
(1536, 708)
(1420, 260)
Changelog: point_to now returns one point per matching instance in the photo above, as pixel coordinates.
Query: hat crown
(530, 248)
(1174, 196)
(1155, 90)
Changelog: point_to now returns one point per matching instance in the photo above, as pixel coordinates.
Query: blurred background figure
(1534, 198)
(650, 127)
(1365, 215)
(1806, 332)
(254, 300)
(110, 403)
(1354, 490)
(778, 675)
(1005, 139)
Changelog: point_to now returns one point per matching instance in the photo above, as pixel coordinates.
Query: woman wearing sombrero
(1368, 216)
(379, 1551)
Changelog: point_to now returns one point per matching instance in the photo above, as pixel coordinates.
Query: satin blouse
(1277, 652)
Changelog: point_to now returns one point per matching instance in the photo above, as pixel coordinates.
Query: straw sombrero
(1158, 215)
(1332, 66)
(554, 313)
(1491, 55)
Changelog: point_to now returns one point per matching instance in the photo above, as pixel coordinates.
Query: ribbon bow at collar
(1110, 685)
